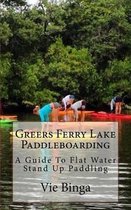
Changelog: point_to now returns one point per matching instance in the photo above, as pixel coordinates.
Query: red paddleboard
(111, 115)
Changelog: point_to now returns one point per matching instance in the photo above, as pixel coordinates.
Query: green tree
(26, 32)
(56, 48)
(5, 35)
(5, 66)
(71, 71)
(116, 79)
(13, 3)
(29, 81)
(100, 25)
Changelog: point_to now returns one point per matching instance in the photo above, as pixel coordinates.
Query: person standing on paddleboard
(67, 101)
(79, 105)
(117, 102)
(46, 110)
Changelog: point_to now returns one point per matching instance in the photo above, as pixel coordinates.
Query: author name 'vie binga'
(65, 187)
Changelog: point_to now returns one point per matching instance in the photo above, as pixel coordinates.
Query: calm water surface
(124, 174)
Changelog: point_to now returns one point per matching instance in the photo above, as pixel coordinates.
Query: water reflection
(124, 176)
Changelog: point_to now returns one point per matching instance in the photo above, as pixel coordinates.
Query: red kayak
(110, 115)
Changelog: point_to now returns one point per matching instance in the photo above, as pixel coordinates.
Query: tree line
(80, 47)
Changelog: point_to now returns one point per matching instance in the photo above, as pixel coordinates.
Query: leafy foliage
(81, 47)
(71, 71)
(116, 78)
(5, 66)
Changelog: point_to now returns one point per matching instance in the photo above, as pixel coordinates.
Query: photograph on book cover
(65, 104)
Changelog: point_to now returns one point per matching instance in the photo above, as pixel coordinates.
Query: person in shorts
(79, 105)
(45, 111)
(117, 102)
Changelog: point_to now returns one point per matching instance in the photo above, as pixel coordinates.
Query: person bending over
(78, 105)
(67, 101)
(117, 102)
(45, 111)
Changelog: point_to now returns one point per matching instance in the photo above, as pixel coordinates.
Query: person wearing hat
(67, 101)
(76, 106)
(45, 111)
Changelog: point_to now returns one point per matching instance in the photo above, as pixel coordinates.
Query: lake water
(124, 174)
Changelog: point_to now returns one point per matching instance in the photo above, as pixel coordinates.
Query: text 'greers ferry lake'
(20, 133)
(25, 136)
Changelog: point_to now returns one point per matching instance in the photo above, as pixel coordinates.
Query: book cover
(65, 101)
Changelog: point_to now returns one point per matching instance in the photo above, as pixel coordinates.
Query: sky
(32, 1)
